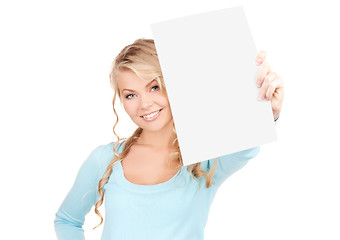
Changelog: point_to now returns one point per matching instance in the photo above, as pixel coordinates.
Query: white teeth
(151, 115)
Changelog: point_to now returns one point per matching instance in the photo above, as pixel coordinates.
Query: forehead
(128, 78)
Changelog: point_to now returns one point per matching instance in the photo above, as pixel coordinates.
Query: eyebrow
(145, 86)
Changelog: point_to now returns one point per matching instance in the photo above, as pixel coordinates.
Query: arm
(70, 216)
(231, 163)
(228, 164)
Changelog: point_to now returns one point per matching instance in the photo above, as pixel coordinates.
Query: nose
(146, 102)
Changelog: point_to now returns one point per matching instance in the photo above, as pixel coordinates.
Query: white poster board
(209, 69)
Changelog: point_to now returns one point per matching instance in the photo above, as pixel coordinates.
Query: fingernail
(259, 83)
(258, 61)
(260, 97)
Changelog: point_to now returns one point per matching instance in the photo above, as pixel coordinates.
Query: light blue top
(174, 209)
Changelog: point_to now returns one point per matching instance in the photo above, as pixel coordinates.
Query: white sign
(209, 69)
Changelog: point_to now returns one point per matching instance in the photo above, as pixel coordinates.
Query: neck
(159, 139)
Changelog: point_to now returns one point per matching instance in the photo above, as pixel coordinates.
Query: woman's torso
(145, 200)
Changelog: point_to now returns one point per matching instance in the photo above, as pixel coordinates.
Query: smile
(152, 116)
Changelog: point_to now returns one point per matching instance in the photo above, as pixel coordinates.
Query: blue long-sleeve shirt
(169, 210)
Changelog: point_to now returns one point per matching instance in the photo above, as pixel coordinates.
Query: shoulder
(101, 156)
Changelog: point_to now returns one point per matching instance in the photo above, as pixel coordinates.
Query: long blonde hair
(141, 57)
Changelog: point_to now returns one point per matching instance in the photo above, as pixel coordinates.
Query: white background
(56, 107)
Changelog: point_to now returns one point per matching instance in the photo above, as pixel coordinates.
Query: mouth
(152, 112)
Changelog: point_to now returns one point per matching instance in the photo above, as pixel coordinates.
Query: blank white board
(208, 65)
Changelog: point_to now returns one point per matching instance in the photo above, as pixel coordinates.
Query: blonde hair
(141, 57)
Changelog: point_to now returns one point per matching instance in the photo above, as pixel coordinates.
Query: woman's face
(142, 98)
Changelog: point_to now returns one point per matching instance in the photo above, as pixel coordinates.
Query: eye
(155, 86)
(127, 96)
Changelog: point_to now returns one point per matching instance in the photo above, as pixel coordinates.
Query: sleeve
(230, 163)
(70, 216)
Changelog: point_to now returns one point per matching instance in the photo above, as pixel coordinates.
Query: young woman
(148, 192)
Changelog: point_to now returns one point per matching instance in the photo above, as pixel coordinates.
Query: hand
(270, 83)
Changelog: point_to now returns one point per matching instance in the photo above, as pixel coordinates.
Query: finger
(279, 95)
(267, 81)
(260, 57)
(279, 91)
(274, 84)
(262, 72)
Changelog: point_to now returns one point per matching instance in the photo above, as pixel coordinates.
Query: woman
(149, 194)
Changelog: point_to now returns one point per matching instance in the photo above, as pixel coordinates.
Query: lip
(152, 112)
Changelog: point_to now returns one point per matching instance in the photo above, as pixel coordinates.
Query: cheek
(131, 108)
(163, 101)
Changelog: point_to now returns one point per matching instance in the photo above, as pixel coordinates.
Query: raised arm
(83, 195)
(272, 89)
